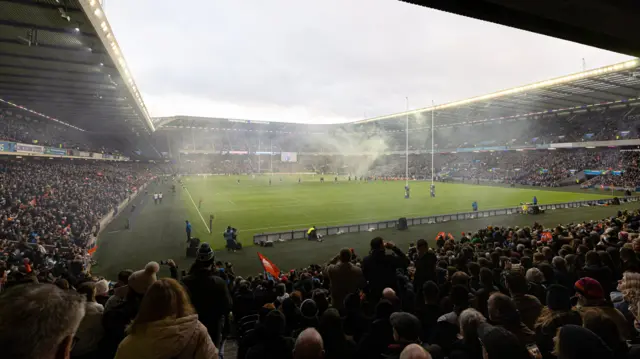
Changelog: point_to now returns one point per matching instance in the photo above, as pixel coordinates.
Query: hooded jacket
(169, 338)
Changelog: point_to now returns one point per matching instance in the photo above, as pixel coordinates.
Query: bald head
(414, 351)
(388, 293)
(309, 345)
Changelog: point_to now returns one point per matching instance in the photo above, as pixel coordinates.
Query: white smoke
(358, 149)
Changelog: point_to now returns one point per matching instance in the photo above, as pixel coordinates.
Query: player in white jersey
(155, 198)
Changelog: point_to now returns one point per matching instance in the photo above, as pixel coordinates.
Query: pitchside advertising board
(23, 147)
(55, 151)
(7, 146)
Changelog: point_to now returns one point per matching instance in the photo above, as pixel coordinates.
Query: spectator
(604, 327)
(292, 316)
(406, 330)
(309, 315)
(380, 268)
(594, 269)
(380, 335)
(557, 313)
(356, 322)
(309, 345)
(528, 305)
(504, 313)
(273, 344)
(460, 300)
(575, 342)
(425, 268)
(591, 295)
(414, 351)
(166, 326)
(487, 288)
(120, 289)
(344, 277)
(499, 343)
(90, 331)
(469, 346)
(336, 343)
(116, 319)
(205, 286)
(430, 312)
(39, 321)
(629, 287)
(102, 292)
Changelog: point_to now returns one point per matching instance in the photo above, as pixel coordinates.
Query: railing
(363, 227)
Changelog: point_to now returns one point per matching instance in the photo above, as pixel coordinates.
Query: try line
(196, 207)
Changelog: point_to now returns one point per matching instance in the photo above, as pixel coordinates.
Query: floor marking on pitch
(196, 207)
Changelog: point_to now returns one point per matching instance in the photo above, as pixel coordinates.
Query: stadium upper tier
(61, 66)
(598, 104)
(606, 123)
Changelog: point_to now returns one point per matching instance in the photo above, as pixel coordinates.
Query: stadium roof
(609, 85)
(59, 59)
(600, 23)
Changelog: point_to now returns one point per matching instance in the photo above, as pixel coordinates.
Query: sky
(325, 61)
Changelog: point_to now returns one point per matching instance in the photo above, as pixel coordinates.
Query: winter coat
(90, 331)
(345, 278)
(169, 338)
(211, 299)
(529, 308)
(379, 269)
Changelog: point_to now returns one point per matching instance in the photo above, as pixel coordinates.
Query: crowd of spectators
(543, 168)
(595, 125)
(50, 210)
(572, 291)
(17, 128)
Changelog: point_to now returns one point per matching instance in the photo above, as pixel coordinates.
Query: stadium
(95, 192)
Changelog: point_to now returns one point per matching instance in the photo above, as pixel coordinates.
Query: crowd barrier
(364, 227)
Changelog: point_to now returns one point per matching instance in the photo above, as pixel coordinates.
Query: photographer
(379, 268)
(208, 291)
(230, 236)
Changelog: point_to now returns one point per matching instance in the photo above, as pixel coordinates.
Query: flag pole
(433, 110)
(406, 171)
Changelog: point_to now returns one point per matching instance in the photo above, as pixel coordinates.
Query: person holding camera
(379, 268)
(230, 236)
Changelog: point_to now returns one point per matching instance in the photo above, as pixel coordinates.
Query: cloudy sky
(324, 61)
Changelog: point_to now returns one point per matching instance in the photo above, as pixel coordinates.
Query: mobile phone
(534, 351)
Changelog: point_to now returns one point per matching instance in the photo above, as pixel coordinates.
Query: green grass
(157, 231)
(253, 206)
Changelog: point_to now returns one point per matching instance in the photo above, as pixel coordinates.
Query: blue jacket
(188, 229)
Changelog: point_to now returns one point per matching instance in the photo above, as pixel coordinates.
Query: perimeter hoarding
(23, 147)
(55, 151)
(7, 146)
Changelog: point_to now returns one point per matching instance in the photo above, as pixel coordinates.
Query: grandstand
(69, 58)
(543, 177)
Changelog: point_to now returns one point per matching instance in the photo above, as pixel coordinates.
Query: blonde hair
(165, 298)
(630, 289)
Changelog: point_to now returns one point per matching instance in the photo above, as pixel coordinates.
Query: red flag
(546, 237)
(33, 202)
(268, 266)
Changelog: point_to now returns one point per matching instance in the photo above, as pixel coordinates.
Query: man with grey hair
(309, 345)
(39, 321)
